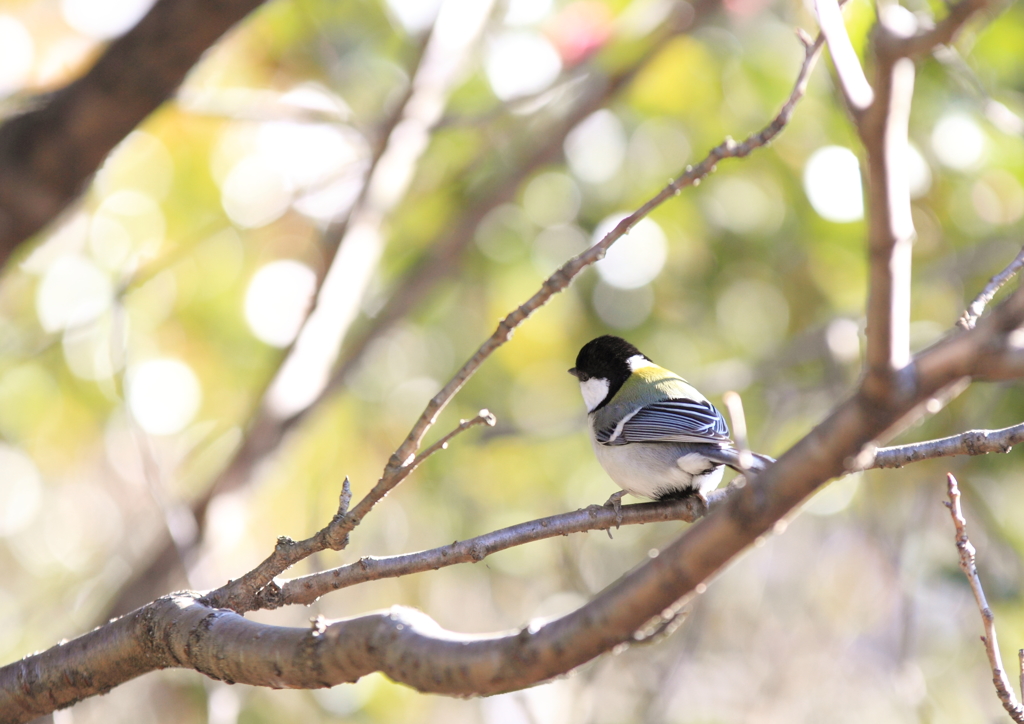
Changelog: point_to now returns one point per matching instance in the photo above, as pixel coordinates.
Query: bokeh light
(998, 198)
(255, 193)
(72, 291)
(742, 206)
(414, 15)
(555, 245)
(163, 395)
(504, 233)
(278, 299)
(21, 491)
(958, 141)
(833, 185)
(753, 314)
(95, 351)
(919, 173)
(125, 222)
(141, 163)
(262, 168)
(17, 53)
(104, 19)
(596, 148)
(551, 198)
(635, 259)
(623, 308)
(658, 150)
(520, 63)
(526, 12)
(835, 497)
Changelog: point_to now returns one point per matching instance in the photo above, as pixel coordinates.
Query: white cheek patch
(638, 361)
(594, 391)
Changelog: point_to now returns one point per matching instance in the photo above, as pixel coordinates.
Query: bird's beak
(574, 373)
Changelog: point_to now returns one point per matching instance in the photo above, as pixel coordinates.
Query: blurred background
(163, 418)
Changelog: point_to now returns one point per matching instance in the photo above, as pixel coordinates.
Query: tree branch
(944, 32)
(49, 153)
(238, 594)
(883, 130)
(967, 565)
(266, 429)
(976, 308)
(410, 648)
(882, 120)
(307, 589)
(856, 89)
(972, 442)
(266, 432)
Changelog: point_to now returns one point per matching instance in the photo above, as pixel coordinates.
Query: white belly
(653, 470)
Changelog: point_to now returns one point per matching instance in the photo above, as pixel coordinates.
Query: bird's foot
(615, 501)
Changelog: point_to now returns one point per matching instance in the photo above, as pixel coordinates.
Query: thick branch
(410, 648)
(883, 130)
(882, 118)
(48, 154)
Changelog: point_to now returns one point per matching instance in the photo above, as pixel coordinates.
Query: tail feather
(757, 463)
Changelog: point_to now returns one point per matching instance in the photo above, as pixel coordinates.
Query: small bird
(654, 434)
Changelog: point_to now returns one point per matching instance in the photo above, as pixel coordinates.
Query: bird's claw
(615, 500)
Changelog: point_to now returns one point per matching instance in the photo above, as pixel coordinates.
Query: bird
(655, 435)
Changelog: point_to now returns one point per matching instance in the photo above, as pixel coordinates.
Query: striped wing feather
(670, 421)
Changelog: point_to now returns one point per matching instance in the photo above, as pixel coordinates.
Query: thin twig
(265, 430)
(484, 417)
(236, 594)
(943, 33)
(971, 442)
(967, 565)
(734, 405)
(562, 277)
(443, 257)
(882, 125)
(307, 589)
(975, 309)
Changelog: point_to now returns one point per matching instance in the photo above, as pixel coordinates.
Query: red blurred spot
(745, 8)
(579, 30)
